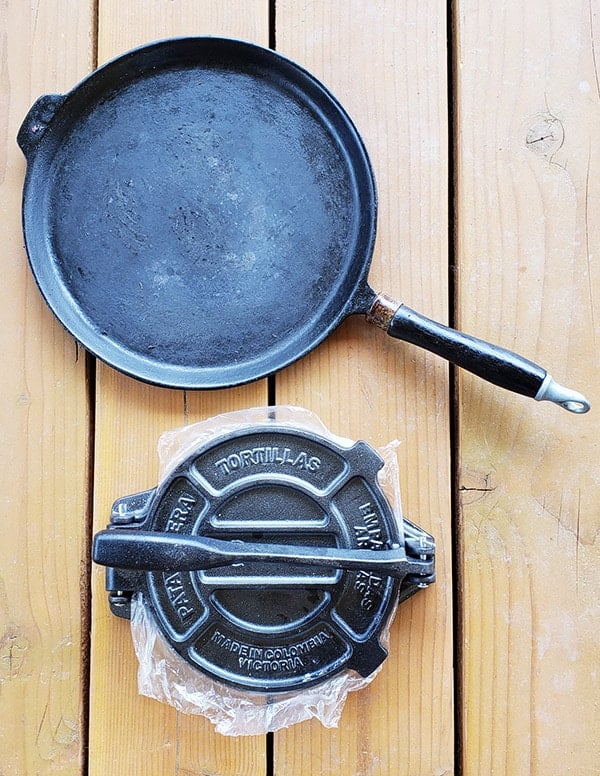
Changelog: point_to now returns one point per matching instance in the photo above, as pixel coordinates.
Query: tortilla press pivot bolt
(270, 558)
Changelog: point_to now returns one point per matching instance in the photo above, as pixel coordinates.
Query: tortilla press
(270, 558)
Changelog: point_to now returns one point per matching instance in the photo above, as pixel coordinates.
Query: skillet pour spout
(193, 184)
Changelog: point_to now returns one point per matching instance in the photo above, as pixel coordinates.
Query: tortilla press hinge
(270, 558)
(122, 583)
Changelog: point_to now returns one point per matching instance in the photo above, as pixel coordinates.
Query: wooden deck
(484, 131)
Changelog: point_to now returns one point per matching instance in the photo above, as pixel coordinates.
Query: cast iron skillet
(201, 212)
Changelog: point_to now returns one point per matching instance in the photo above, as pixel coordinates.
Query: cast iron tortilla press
(269, 558)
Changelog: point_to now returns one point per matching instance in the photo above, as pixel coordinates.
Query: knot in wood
(546, 136)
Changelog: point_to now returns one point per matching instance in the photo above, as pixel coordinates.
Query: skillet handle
(36, 121)
(491, 362)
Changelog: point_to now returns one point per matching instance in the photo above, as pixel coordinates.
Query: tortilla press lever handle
(156, 551)
(493, 363)
(36, 121)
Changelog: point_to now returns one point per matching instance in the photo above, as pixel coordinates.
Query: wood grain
(527, 204)
(130, 417)
(43, 469)
(386, 63)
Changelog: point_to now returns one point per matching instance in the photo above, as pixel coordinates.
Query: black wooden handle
(495, 364)
(491, 362)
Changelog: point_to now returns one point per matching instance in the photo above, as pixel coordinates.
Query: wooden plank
(130, 419)
(43, 470)
(527, 203)
(386, 62)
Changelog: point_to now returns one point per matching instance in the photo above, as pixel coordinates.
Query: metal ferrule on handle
(550, 390)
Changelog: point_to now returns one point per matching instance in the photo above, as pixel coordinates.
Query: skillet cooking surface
(207, 212)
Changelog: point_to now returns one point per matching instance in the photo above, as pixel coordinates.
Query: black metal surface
(268, 624)
(201, 212)
(164, 551)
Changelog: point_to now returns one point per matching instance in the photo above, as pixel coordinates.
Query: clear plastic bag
(168, 678)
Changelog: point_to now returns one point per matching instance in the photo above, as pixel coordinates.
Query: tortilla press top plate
(262, 557)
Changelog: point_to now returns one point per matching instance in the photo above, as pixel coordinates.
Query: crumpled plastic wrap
(166, 677)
